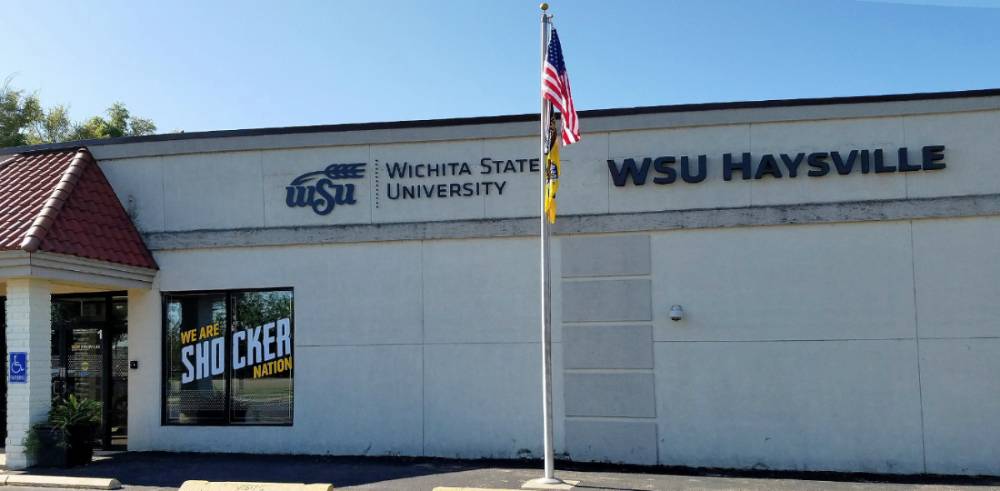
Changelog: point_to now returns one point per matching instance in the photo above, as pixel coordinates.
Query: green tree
(53, 126)
(118, 123)
(23, 121)
(18, 113)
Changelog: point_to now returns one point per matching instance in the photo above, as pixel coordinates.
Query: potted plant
(68, 437)
(78, 419)
(46, 445)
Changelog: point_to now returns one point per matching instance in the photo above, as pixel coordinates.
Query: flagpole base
(549, 483)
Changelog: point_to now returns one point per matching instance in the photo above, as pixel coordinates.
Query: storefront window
(228, 357)
(262, 349)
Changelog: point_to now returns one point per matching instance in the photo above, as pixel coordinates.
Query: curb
(59, 481)
(252, 486)
(564, 486)
(449, 488)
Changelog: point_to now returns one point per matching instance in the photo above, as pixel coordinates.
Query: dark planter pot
(52, 452)
(80, 443)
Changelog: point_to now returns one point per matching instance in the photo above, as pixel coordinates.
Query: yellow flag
(551, 181)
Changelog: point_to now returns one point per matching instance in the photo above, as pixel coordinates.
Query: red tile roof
(59, 201)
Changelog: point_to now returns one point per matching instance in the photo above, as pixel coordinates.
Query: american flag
(555, 89)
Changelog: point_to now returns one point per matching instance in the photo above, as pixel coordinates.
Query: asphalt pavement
(160, 471)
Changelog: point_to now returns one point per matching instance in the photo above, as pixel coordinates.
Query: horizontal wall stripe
(854, 211)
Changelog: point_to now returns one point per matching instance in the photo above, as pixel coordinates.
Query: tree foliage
(18, 114)
(23, 121)
(118, 123)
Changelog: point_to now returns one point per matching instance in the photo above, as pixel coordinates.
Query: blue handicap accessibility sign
(17, 370)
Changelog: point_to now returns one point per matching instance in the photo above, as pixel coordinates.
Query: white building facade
(373, 289)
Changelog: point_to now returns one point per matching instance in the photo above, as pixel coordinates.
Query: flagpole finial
(544, 6)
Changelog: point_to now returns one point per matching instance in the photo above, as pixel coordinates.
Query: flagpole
(546, 290)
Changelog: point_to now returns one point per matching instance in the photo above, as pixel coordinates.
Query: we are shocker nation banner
(267, 349)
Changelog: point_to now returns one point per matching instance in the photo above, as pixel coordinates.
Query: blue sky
(197, 65)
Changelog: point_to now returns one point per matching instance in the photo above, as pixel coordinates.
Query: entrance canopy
(60, 220)
(62, 229)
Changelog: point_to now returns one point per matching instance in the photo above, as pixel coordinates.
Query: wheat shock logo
(323, 190)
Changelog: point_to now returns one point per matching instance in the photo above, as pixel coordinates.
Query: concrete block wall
(607, 340)
(29, 305)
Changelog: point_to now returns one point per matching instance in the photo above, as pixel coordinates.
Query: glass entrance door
(90, 356)
(84, 364)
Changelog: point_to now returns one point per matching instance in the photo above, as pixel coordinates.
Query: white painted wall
(246, 189)
(806, 357)
(408, 348)
(851, 347)
(28, 327)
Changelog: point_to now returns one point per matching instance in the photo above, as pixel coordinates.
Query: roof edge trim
(512, 118)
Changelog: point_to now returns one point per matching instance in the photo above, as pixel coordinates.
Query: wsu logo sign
(322, 191)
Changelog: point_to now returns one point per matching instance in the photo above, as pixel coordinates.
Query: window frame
(228, 374)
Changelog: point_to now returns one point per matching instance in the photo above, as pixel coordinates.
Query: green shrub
(72, 413)
(66, 416)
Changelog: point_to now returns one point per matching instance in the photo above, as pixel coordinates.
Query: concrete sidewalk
(149, 471)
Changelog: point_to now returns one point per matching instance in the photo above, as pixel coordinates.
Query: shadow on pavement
(165, 469)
